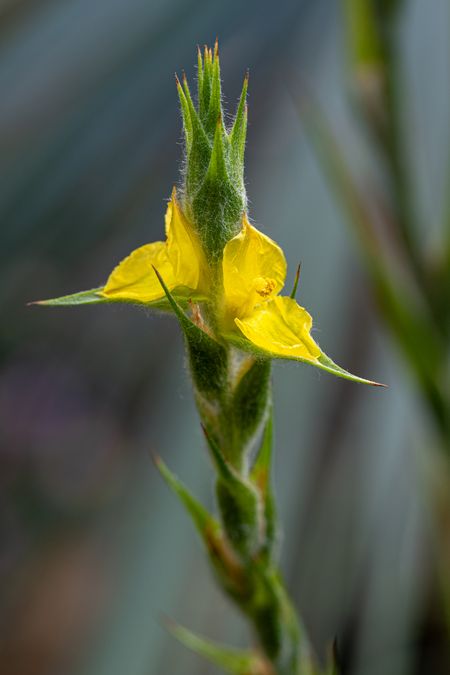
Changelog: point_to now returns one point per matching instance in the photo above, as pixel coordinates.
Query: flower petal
(183, 248)
(254, 270)
(281, 328)
(135, 279)
(179, 261)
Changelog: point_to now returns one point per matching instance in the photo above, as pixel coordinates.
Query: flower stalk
(221, 278)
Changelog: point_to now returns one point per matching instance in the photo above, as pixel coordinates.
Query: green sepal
(198, 146)
(207, 358)
(260, 476)
(238, 133)
(204, 92)
(217, 210)
(238, 504)
(186, 114)
(249, 402)
(214, 190)
(217, 169)
(219, 203)
(233, 661)
(200, 80)
(183, 295)
(323, 361)
(215, 101)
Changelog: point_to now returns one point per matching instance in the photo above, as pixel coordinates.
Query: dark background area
(92, 546)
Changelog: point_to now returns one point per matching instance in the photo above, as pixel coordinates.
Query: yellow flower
(179, 260)
(254, 271)
(249, 312)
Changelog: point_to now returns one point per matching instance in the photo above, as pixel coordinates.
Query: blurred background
(93, 548)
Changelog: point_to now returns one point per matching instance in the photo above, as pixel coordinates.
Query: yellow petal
(282, 328)
(179, 261)
(135, 279)
(254, 270)
(183, 248)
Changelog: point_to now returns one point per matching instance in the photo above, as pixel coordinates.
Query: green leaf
(238, 503)
(234, 661)
(249, 402)
(91, 297)
(323, 362)
(224, 562)
(203, 520)
(208, 359)
(260, 476)
(230, 576)
(183, 297)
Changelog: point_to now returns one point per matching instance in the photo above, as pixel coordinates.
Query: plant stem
(232, 431)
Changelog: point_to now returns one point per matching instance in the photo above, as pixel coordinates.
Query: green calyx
(214, 197)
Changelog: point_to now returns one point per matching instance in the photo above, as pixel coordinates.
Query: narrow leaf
(94, 297)
(238, 503)
(208, 358)
(260, 475)
(233, 661)
(249, 403)
(91, 297)
(200, 516)
(222, 558)
(224, 469)
(261, 468)
(323, 362)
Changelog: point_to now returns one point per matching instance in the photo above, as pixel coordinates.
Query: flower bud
(214, 197)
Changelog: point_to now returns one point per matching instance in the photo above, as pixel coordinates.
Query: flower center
(264, 286)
